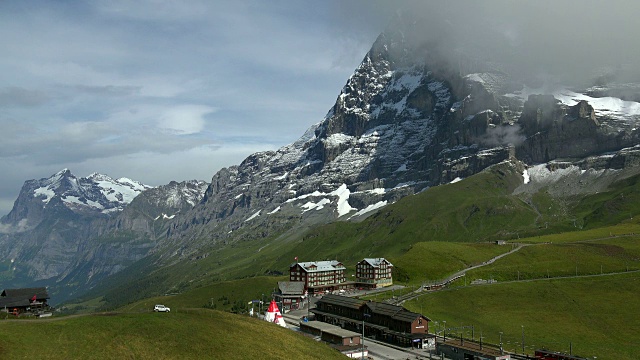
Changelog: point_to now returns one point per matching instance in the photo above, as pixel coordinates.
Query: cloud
(156, 10)
(14, 96)
(502, 135)
(21, 226)
(185, 119)
(108, 90)
(570, 40)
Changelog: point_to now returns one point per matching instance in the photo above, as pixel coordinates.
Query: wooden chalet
(347, 342)
(373, 273)
(290, 294)
(390, 323)
(19, 301)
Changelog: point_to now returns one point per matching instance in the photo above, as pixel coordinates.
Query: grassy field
(220, 296)
(626, 228)
(435, 260)
(201, 334)
(610, 255)
(595, 315)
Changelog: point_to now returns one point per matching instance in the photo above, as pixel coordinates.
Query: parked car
(161, 308)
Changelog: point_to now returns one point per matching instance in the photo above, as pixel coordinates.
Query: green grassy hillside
(595, 315)
(195, 334)
(226, 295)
(618, 254)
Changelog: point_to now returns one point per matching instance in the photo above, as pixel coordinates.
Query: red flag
(296, 258)
(33, 299)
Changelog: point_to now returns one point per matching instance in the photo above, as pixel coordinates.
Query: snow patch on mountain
(315, 206)
(605, 107)
(342, 203)
(369, 208)
(274, 211)
(338, 139)
(282, 177)
(542, 174)
(255, 215)
(343, 200)
(378, 191)
(525, 175)
(47, 193)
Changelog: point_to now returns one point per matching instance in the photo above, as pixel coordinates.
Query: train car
(554, 355)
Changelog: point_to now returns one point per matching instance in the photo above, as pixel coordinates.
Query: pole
(522, 339)
(501, 350)
(362, 338)
(445, 330)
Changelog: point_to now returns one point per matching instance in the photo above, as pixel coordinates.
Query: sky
(156, 90)
(159, 90)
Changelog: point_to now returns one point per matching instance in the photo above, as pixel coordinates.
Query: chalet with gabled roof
(319, 276)
(374, 273)
(18, 301)
(290, 294)
(386, 322)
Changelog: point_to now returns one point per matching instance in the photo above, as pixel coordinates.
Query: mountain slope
(407, 120)
(487, 206)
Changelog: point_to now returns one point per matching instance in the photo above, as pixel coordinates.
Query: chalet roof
(41, 293)
(328, 265)
(342, 301)
(291, 287)
(393, 311)
(22, 297)
(330, 329)
(376, 262)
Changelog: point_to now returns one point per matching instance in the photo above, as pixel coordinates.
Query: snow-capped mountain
(92, 195)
